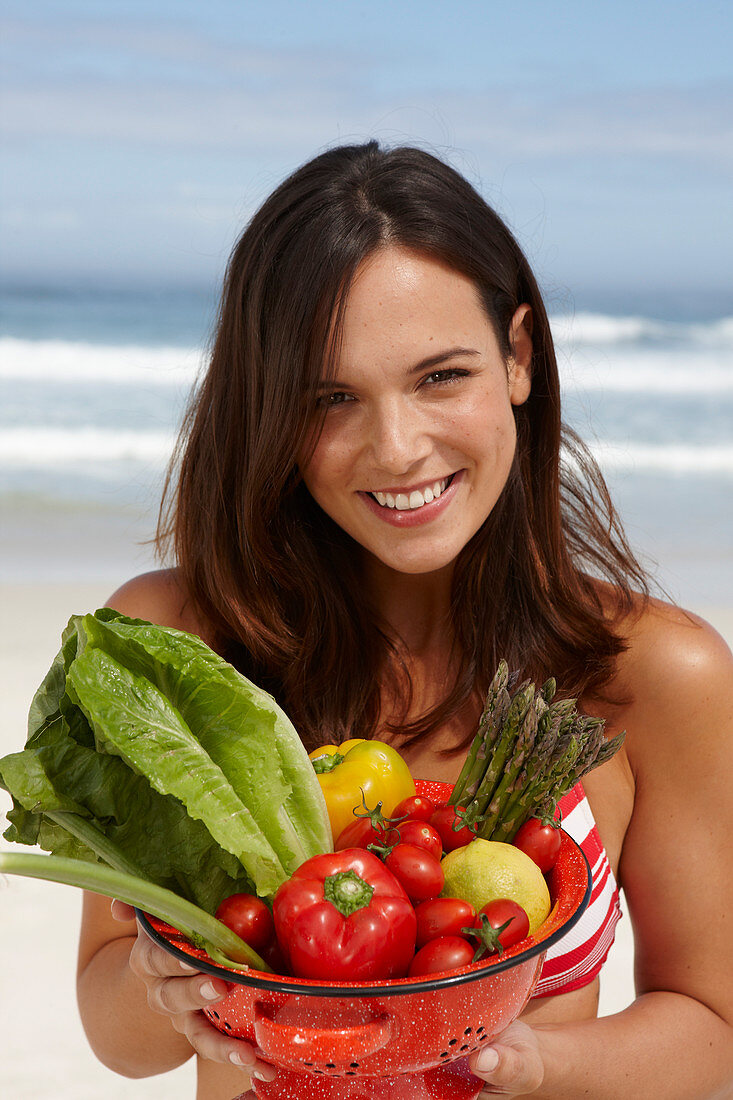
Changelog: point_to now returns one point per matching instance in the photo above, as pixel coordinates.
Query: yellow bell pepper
(371, 768)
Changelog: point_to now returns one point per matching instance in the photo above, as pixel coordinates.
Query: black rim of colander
(398, 988)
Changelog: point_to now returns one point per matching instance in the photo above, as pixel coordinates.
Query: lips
(419, 514)
(414, 498)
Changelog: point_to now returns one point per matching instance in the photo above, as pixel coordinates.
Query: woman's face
(419, 435)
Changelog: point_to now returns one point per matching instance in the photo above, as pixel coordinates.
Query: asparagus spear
(507, 786)
(530, 750)
(502, 752)
(473, 769)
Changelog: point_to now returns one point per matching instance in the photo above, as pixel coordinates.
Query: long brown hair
(273, 575)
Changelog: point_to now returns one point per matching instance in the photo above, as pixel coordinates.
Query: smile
(416, 498)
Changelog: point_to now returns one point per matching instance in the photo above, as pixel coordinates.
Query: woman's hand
(512, 1065)
(180, 992)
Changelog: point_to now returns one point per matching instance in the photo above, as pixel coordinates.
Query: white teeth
(416, 499)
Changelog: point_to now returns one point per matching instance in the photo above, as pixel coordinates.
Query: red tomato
(497, 913)
(443, 953)
(420, 874)
(540, 842)
(274, 957)
(360, 833)
(442, 917)
(422, 835)
(443, 818)
(249, 917)
(416, 808)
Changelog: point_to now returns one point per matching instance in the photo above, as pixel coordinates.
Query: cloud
(165, 88)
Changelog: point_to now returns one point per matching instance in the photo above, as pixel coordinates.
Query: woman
(369, 511)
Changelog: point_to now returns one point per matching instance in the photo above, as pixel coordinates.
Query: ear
(519, 365)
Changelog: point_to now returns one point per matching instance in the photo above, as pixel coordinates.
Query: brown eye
(330, 400)
(450, 374)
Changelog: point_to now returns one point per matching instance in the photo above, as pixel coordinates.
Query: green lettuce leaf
(149, 753)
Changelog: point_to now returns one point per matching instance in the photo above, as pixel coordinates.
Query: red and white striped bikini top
(578, 957)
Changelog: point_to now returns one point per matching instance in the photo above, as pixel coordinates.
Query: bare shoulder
(674, 658)
(677, 673)
(160, 597)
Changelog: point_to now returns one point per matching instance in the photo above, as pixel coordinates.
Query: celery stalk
(200, 927)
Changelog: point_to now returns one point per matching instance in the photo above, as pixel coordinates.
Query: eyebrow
(424, 364)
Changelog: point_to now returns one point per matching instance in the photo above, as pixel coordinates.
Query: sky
(139, 137)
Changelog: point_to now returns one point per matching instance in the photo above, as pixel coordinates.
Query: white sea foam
(595, 352)
(55, 448)
(654, 371)
(74, 361)
(50, 448)
(664, 459)
(602, 329)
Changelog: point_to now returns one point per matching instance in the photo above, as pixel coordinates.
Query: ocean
(93, 383)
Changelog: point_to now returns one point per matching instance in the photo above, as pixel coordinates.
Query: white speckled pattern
(389, 1045)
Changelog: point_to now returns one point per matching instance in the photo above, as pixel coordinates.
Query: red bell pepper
(343, 916)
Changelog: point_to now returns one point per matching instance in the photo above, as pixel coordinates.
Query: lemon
(487, 869)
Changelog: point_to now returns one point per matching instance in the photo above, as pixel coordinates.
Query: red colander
(406, 1039)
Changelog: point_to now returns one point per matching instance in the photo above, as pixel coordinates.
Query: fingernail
(208, 990)
(185, 967)
(488, 1059)
(236, 1058)
(261, 1075)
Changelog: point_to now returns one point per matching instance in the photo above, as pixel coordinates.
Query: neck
(414, 608)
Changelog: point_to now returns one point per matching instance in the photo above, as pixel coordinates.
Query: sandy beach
(46, 1053)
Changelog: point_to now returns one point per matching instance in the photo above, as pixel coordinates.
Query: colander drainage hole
(354, 1065)
(468, 1031)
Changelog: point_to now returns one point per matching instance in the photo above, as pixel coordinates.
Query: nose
(399, 437)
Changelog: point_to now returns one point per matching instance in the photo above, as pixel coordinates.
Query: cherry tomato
(443, 953)
(540, 842)
(420, 874)
(418, 807)
(360, 833)
(421, 834)
(274, 957)
(443, 818)
(249, 917)
(442, 917)
(498, 912)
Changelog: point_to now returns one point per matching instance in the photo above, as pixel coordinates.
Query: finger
(180, 994)
(509, 1070)
(147, 959)
(121, 911)
(212, 1044)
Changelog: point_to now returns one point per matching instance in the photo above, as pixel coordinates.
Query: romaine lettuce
(148, 752)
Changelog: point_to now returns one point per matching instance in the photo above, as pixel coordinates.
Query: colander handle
(320, 1045)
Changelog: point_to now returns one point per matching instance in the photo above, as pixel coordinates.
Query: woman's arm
(676, 1039)
(139, 1006)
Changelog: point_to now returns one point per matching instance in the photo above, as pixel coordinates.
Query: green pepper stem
(326, 763)
(196, 924)
(347, 892)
